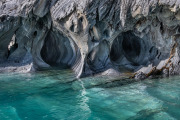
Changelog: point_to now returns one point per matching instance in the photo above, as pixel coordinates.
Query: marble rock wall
(140, 37)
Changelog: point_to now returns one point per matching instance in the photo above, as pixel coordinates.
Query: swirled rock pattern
(140, 37)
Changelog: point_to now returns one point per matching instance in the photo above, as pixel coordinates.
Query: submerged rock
(92, 36)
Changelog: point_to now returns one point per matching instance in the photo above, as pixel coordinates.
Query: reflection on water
(83, 101)
(56, 95)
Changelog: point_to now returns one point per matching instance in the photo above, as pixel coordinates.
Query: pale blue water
(56, 95)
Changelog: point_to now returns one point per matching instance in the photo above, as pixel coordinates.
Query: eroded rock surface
(140, 37)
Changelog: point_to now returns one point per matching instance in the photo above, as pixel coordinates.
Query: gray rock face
(91, 36)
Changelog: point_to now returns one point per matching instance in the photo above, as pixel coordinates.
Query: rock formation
(140, 37)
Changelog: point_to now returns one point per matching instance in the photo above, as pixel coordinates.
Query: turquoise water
(56, 95)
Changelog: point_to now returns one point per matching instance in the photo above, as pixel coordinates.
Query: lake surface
(57, 95)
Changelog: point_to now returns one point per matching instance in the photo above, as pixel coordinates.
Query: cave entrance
(129, 46)
(57, 51)
(116, 53)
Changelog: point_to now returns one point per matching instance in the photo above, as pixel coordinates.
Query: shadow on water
(166, 90)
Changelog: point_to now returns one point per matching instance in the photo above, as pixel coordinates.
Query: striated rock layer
(108, 37)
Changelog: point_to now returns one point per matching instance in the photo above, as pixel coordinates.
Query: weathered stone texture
(92, 36)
